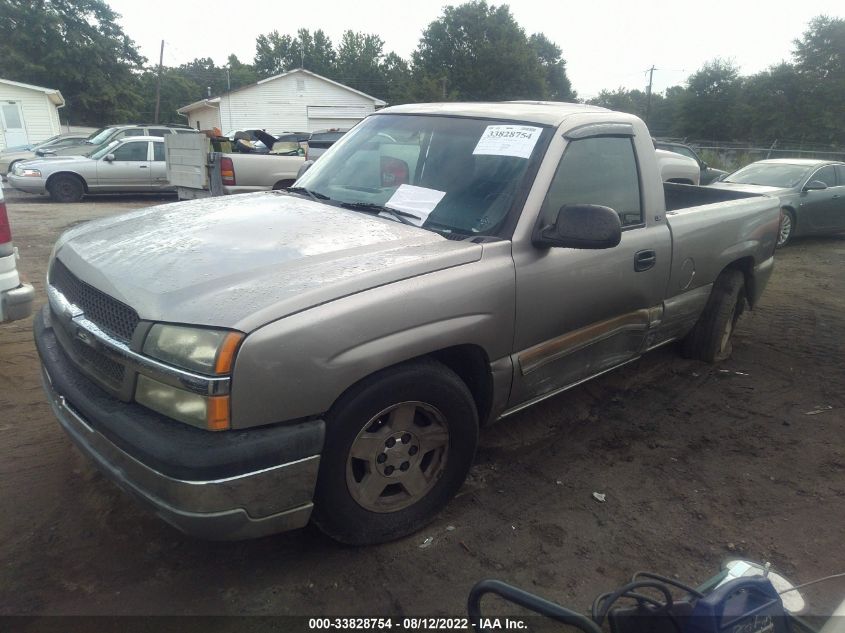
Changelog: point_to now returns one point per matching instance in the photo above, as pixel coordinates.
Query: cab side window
(158, 151)
(131, 152)
(840, 174)
(600, 170)
(827, 175)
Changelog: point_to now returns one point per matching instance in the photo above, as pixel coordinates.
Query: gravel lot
(698, 463)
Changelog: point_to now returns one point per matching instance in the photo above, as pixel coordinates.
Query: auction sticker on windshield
(508, 140)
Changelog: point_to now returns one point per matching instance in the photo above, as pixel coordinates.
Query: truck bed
(710, 227)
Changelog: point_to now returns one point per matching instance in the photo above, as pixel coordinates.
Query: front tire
(710, 339)
(398, 447)
(787, 228)
(66, 188)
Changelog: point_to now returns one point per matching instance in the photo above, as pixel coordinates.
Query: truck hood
(243, 261)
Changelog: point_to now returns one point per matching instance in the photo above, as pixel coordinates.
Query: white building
(295, 101)
(28, 114)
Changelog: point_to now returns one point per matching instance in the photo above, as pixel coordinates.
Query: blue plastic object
(744, 605)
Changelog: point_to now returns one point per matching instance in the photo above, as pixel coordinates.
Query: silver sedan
(129, 165)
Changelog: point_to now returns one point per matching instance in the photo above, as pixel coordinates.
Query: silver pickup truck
(246, 364)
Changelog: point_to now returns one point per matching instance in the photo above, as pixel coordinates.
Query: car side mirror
(704, 165)
(108, 158)
(586, 226)
(815, 185)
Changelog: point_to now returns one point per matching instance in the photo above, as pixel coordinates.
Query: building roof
(196, 105)
(215, 101)
(54, 95)
(543, 112)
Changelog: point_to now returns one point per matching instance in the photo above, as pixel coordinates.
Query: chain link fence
(733, 155)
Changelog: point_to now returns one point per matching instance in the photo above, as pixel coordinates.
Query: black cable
(668, 581)
(609, 601)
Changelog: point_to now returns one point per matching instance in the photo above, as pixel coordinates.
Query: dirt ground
(698, 463)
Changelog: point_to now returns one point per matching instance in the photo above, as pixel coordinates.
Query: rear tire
(398, 447)
(786, 229)
(66, 188)
(283, 184)
(710, 339)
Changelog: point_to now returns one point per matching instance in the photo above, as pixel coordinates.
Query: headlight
(207, 412)
(24, 171)
(202, 350)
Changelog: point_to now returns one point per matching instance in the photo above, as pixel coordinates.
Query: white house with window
(295, 101)
(28, 114)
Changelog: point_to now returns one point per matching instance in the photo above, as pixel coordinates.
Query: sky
(607, 44)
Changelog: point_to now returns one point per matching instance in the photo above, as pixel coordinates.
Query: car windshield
(104, 150)
(769, 175)
(100, 135)
(447, 174)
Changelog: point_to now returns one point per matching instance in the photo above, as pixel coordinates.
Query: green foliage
(77, 47)
(478, 52)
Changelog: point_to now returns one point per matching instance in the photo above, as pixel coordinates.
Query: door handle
(643, 260)
(142, 166)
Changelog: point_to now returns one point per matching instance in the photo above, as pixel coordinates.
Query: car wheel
(66, 188)
(710, 339)
(12, 167)
(282, 184)
(398, 447)
(787, 228)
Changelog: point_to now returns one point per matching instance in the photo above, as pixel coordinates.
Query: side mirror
(108, 158)
(815, 185)
(704, 165)
(587, 226)
(303, 168)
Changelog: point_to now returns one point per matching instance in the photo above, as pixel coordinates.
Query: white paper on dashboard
(418, 201)
(508, 140)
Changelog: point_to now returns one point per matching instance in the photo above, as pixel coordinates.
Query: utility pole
(648, 93)
(443, 87)
(158, 82)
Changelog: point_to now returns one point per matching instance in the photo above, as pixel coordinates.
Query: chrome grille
(112, 316)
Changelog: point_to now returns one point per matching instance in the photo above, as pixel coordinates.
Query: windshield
(449, 174)
(783, 175)
(104, 150)
(100, 135)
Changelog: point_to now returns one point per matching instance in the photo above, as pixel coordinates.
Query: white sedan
(130, 165)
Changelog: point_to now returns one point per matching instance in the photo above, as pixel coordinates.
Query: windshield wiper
(314, 195)
(370, 207)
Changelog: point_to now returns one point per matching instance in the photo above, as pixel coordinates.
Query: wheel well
(745, 265)
(471, 364)
(282, 184)
(52, 177)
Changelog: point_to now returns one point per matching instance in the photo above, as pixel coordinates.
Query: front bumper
(27, 184)
(222, 486)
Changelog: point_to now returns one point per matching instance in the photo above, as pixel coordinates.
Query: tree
(77, 47)
(477, 51)
(708, 106)
(275, 53)
(360, 60)
(549, 54)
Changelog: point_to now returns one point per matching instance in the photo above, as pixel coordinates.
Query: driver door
(581, 312)
(823, 209)
(130, 169)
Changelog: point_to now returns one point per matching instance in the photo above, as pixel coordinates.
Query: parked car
(130, 165)
(320, 141)
(811, 192)
(10, 156)
(247, 363)
(708, 174)
(15, 297)
(197, 173)
(106, 135)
